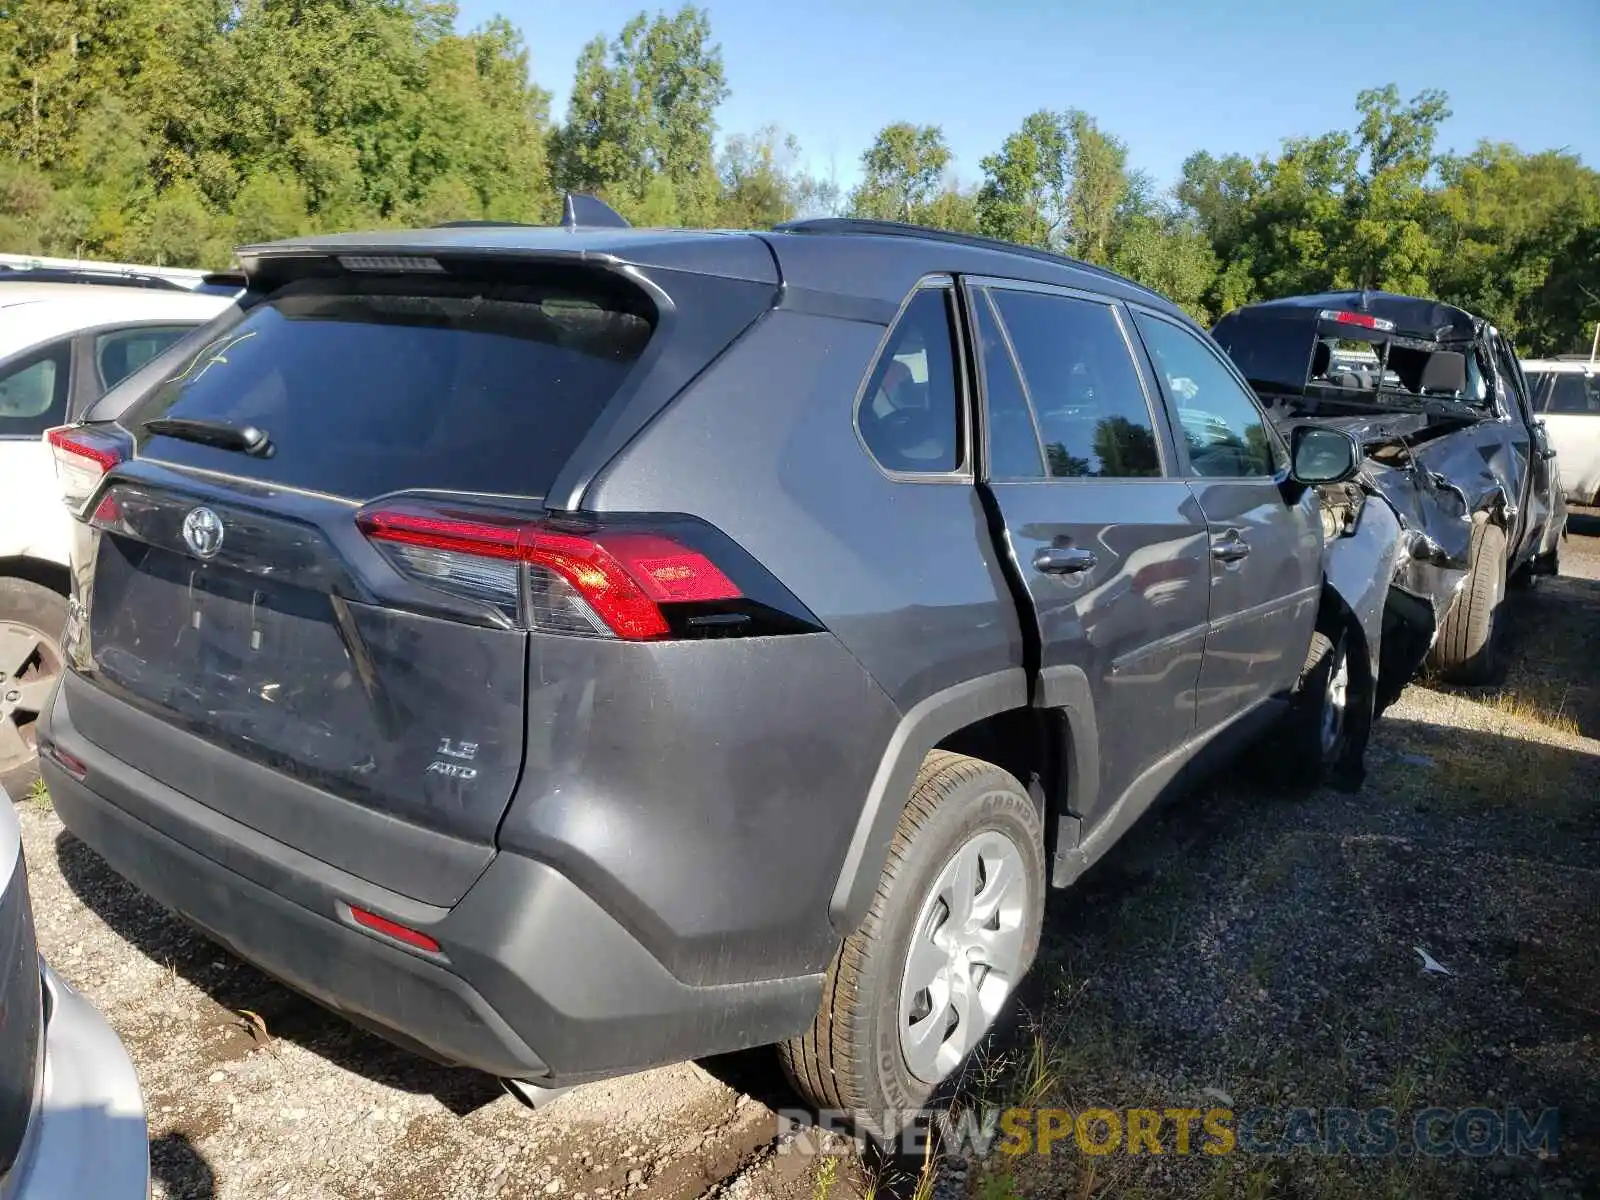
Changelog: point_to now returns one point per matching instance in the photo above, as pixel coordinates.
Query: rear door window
(369, 385)
(1085, 392)
(1573, 393)
(118, 353)
(33, 391)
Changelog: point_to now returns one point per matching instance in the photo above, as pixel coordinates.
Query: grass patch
(39, 797)
(1488, 770)
(1507, 770)
(1523, 707)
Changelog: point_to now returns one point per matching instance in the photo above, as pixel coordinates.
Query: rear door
(1571, 407)
(34, 387)
(1266, 554)
(1104, 534)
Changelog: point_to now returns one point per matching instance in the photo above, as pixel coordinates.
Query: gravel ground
(1239, 941)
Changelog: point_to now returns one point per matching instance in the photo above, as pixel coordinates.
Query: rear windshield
(1278, 354)
(366, 386)
(1271, 352)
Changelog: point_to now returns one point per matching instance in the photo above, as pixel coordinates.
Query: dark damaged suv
(1438, 400)
(571, 650)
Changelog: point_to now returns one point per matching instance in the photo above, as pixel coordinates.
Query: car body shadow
(181, 1169)
(236, 987)
(1584, 524)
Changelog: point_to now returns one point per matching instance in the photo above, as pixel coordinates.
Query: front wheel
(952, 929)
(1467, 648)
(1324, 736)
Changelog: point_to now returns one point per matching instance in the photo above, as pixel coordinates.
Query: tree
(1216, 193)
(1025, 190)
(762, 184)
(1099, 180)
(902, 172)
(1165, 251)
(645, 107)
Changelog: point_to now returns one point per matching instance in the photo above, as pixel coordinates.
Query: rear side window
(910, 414)
(33, 391)
(121, 352)
(366, 386)
(1093, 418)
(1572, 393)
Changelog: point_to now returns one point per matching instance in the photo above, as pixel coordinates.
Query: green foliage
(642, 110)
(1026, 186)
(902, 173)
(169, 131)
(762, 186)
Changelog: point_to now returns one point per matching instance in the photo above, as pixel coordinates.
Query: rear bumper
(534, 979)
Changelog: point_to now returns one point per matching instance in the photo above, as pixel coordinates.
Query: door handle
(1063, 560)
(1230, 549)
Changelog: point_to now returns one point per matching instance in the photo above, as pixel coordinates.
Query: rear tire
(1467, 648)
(961, 901)
(31, 620)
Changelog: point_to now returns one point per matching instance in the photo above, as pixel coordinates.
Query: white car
(62, 345)
(1566, 394)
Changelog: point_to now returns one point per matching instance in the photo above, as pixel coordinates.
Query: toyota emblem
(202, 532)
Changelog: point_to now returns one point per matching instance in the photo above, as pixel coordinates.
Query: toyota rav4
(568, 650)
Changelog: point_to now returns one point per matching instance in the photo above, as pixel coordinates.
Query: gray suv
(568, 650)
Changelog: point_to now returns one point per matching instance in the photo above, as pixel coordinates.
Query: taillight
(82, 459)
(597, 583)
(1364, 320)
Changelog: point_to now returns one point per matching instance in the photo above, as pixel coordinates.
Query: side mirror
(1319, 454)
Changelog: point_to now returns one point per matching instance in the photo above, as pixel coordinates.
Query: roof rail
(865, 225)
(582, 211)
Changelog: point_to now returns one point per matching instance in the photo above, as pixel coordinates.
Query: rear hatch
(322, 545)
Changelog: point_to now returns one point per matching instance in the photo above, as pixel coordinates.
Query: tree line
(169, 131)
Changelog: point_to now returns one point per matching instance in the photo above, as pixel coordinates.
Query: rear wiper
(246, 439)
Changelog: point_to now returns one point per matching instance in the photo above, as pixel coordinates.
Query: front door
(1266, 554)
(1109, 541)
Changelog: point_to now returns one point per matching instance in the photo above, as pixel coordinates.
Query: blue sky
(1166, 77)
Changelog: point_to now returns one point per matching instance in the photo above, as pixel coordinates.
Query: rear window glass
(1274, 354)
(366, 386)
